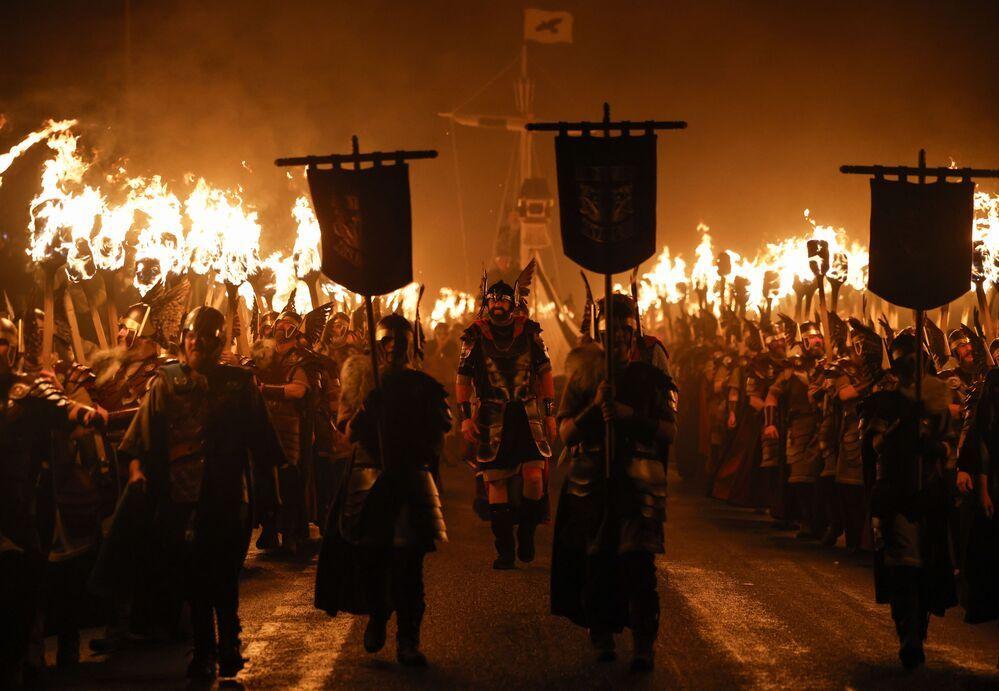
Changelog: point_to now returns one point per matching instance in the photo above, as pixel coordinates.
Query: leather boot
(374, 633)
(408, 652)
(502, 526)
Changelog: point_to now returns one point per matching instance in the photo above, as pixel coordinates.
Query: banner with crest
(366, 225)
(607, 200)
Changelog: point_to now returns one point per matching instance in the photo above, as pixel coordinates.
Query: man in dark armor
(905, 446)
(610, 520)
(287, 378)
(192, 444)
(858, 376)
(388, 513)
(504, 363)
(31, 408)
(792, 393)
(764, 371)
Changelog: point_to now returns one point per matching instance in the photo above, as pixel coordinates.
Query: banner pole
(609, 365)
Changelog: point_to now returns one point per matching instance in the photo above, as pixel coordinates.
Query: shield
(920, 242)
(366, 225)
(607, 200)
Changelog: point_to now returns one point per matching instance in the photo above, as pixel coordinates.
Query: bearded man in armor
(32, 406)
(387, 516)
(504, 363)
(288, 388)
(610, 520)
(193, 442)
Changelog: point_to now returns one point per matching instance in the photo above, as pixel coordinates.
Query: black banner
(920, 242)
(366, 225)
(607, 200)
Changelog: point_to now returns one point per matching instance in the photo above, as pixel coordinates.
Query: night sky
(777, 94)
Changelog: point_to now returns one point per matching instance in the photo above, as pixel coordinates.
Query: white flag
(542, 26)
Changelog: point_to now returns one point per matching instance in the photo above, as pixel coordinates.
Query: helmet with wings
(522, 286)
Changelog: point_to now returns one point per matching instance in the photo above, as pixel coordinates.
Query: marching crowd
(831, 432)
(132, 484)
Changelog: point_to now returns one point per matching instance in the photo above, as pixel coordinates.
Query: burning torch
(818, 261)
(723, 264)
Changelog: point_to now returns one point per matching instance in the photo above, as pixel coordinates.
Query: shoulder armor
(531, 326)
(472, 333)
(44, 390)
(18, 391)
(177, 378)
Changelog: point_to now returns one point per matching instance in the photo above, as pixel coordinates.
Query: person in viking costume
(764, 371)
(287, 382)
(905, 444)
(32, 406)
(388, 515)
(199, 443)
(610, 521)
(857, 379)
(831, 410)
(504, 363)
(793, 394)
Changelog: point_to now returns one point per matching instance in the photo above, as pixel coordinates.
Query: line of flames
(214, 232)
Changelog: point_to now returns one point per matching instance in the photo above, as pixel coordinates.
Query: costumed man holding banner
(920, 258)
(609, 528)
(388, 515)
(906, 444)
(194, 439)
(619, 418)
(31, 407)
(504, 363)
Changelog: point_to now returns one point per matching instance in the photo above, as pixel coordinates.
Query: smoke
(777, 94)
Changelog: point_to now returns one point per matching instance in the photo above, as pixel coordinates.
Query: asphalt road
(743, 607)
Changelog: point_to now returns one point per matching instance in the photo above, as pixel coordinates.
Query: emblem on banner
(606, 202)
(346, 228)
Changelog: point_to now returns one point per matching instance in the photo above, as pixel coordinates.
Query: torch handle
(48, 321)
(824, 315)
(74, 326)
(112, 302)
(834, 295)
(230, 317)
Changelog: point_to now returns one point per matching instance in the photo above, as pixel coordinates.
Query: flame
(985, 233)
(403, 300)
(451, 305)
(158, 219)
(245, 291)
(62, 215)
(704, 274)
(51, 127)
(224, 234)
(308, 239)
(335, 292)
